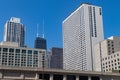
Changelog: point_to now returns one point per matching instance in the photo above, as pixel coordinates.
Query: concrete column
(37, 76)
(101, 78)
(89, 77)
(64, 77)
(1, 74)
(51, 76)
(112, 79)
(77, 77)
(22, 76)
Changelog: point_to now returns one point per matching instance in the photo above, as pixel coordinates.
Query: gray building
(56, 61)
(81, 31)
(14, 31)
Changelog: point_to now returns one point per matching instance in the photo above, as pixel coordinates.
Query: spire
(43, 29)
(37, 30)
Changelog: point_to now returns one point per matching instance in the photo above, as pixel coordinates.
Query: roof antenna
(37, 30)
(43, 29)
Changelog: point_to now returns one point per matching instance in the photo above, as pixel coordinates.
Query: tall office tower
(81, 31)
(103, 51)
(14, 31)
(40, 43)
(56, 58)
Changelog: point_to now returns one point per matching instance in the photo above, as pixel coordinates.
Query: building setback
(81, 31)
(56, 58)
(14, 31)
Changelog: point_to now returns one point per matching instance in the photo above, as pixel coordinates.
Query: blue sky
(32, 12)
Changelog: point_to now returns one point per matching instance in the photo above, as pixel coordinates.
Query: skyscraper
(81, 31)
(56, 58)
(40, 43)
(14, 31)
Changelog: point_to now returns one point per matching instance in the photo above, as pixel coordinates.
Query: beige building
(22, 57)
(111, 62)
(104, 49)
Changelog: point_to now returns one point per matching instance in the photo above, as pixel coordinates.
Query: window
(118, 59)
(114, 55)
(17, 50)
(23, 51)
(117, 54)
(11, 50)
(105, 58)
(118, 66)
(35, 52)
(29, 51)
(5, 49)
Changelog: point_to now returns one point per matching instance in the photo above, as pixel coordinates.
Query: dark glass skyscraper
(40, 43)
(14, 31)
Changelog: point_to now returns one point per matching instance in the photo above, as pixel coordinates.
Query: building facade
(105, 49)
(40, 43)
(22, 57)
(14, 31)
(81, 31)
(56, 61)
(111, 62)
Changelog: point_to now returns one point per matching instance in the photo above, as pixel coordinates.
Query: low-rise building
(22, 57)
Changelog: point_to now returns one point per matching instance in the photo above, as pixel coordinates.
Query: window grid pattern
(21, 57)
(111, 62)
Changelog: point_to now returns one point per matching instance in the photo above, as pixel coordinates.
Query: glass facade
(40, 43)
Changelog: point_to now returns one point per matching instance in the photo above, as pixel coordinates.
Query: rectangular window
(17, 50)
(5, 49)
(23, 51)
(35, 52)
(29, 51)
(11, 50)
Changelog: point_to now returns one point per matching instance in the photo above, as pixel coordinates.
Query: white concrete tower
(81, 31)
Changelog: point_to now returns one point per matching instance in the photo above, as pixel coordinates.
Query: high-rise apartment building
(14, 31)
(105, 53)
(40, 43)
(56, 58)
(81, 31)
